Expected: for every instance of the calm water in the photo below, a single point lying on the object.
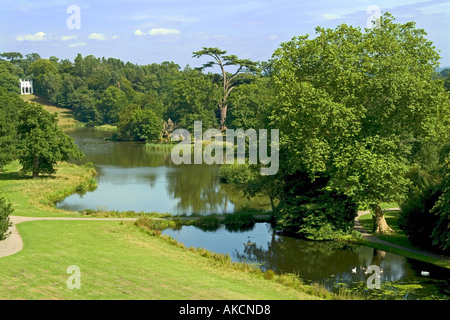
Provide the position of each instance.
(327, 263)
(133, 177)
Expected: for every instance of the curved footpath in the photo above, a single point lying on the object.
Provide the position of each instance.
(14, 243)
(367, 236)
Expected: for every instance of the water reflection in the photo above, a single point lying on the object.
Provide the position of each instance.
(327, 263)
(133, 177)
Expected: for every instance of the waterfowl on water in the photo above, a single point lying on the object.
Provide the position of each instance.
(354, 270)
(425, 273)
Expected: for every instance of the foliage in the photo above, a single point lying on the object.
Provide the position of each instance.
(416, 218)
(110, 104)
(5, 211)
(193, 98)
(250, 105)
(441, 232)
(310, 211)
(138, 124)
(41, 142)
(353, 106)
(9, 80)
(229, 80)
(235, 173)
(9, 105)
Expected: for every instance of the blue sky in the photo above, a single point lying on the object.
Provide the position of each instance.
(155, 31)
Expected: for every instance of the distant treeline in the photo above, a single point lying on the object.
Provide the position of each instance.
(110, 91)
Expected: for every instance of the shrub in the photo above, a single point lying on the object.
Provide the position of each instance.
(235, 173)
(416, 218)
(239, 220)
(5, 211)
(207, 223)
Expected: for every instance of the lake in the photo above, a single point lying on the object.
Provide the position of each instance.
(134, 177)
(328, 263)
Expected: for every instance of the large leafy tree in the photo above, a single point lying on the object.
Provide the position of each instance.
(42, 142)
(10, 104)
(111, 103)
(193, 97)
(229, 80)
(356, 106)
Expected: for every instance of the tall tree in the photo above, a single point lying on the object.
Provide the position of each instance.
(42, 142)
(357, 105)
(11, 56)
(229, 80)
(10, 104)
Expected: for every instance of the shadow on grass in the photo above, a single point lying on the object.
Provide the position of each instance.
(6, 176)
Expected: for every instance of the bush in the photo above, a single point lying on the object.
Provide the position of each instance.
(309, 211)
(5, 211)
(416, 218)
(235, 173)
(239, 220)
(207, 223)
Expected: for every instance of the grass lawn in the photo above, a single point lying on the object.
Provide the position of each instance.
(35, 197)
(119, 261)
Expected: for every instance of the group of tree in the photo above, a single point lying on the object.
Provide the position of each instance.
(109, 91)
(30, 134)
(363, 117)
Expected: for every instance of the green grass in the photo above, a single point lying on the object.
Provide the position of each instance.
(36, 197)
(106, 127)
(65, 116)
(119, 261)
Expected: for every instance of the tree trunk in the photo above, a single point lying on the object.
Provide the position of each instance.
(380, 225)
(272, 204)
(35, 167)
(223, 117)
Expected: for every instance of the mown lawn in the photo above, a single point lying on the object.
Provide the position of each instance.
(34, 197)
(119, 261)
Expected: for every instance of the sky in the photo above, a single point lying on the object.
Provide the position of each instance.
(154, 31)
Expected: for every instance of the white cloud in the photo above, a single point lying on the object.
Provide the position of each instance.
(67, 38)
(163, 31)
(330, 16)
(138, 32)
(78, 44)
(97, 36)
(38, 36)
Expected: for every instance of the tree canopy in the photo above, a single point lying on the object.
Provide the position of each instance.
(357, 105)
